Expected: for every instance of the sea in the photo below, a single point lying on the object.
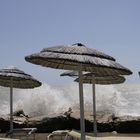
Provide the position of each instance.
(122, 99)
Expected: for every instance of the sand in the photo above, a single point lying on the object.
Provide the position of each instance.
(102, 136)
(116, 138)
(107, 136)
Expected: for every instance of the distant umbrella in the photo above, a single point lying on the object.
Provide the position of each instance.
(105, 80)
(99, 79)
(15, 78)
(80, 58)
(92, 78)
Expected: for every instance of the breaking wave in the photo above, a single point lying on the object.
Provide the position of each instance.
(119, 99)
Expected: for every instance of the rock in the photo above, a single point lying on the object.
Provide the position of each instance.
(4, 124)
(20, 113)
(47, 124)
(69, 112)
(127, 124)
(106, 122)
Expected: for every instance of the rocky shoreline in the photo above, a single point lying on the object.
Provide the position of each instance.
(106, 122)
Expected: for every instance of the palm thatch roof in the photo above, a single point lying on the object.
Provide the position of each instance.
(69, 57)
(78, 49)
(105, 80)
(19, 78)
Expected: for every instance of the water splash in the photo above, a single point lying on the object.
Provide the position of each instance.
(46, 100)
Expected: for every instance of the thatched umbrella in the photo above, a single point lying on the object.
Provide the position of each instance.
(99, 79)
(80, 58)
(15, 78)
(105, 80)
(92, 78)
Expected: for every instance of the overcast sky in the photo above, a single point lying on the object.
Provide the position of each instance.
(28, 26)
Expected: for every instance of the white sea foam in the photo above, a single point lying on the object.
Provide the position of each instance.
(119, 99)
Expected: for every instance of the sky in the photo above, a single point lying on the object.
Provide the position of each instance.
(28, 26)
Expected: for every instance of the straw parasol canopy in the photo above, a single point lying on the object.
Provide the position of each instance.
(68, 56)
(105, 80)
(19, 78)
(15, 78)
(99, 79)
(80, 58)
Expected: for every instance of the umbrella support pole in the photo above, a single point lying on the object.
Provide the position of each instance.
(11, 108)
(94, 107)
(82, 121)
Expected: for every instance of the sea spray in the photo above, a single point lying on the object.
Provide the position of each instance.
(119, 99)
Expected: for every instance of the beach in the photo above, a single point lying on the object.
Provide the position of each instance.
(108, 136)
(38, 136)
(101, 136)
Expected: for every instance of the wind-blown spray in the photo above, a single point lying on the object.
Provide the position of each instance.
(47, 100)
